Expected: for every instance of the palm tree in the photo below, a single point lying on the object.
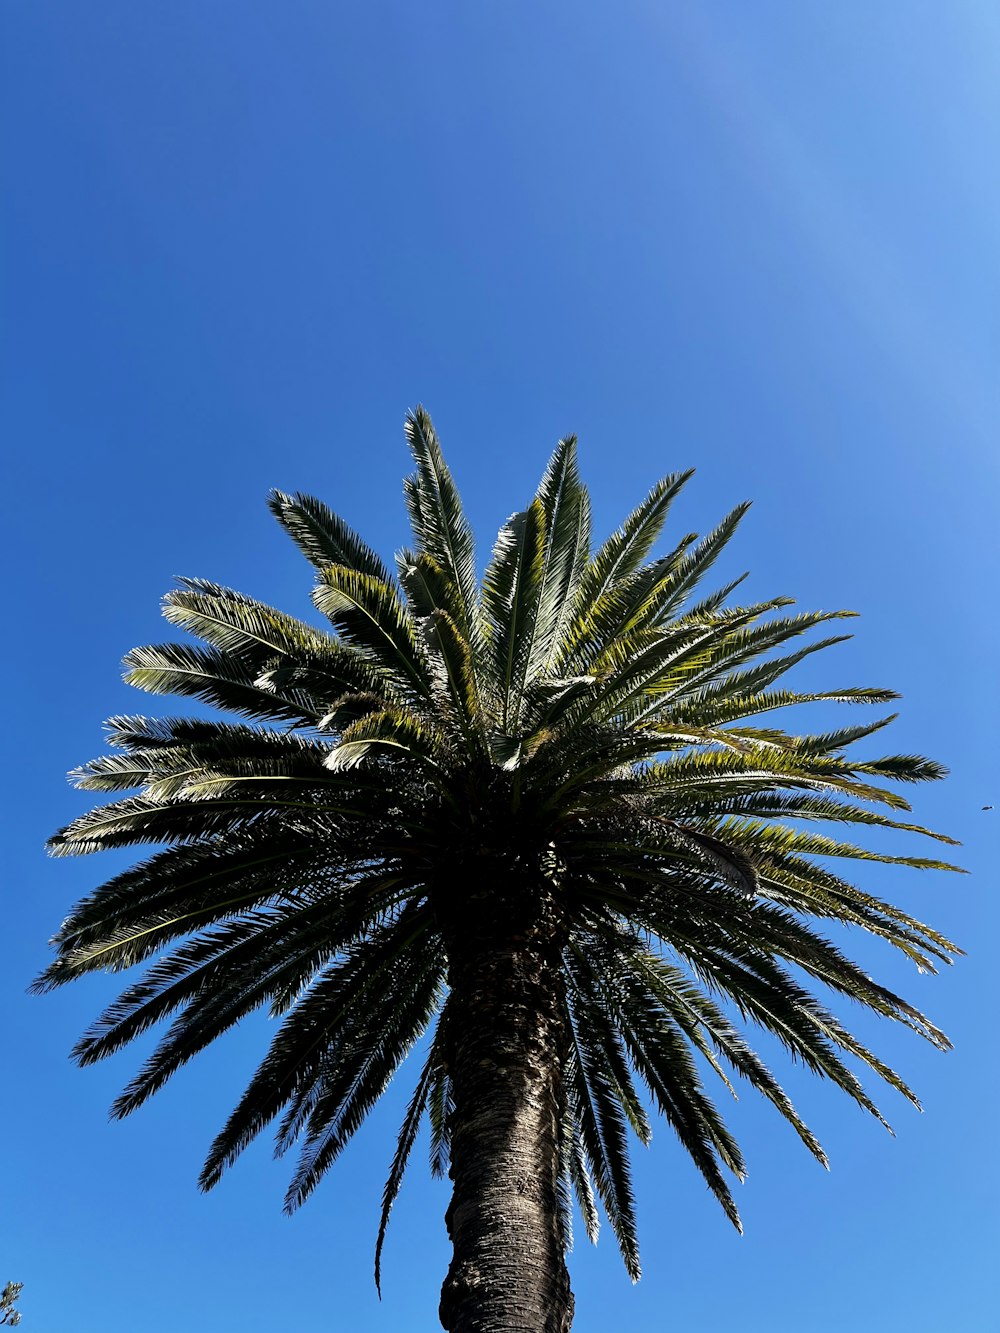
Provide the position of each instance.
(532, 826)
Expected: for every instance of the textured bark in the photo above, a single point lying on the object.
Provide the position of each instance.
(508, 1273)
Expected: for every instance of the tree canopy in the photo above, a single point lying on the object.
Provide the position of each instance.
(539, 825)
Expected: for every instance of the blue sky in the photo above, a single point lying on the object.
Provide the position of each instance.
(239, 240)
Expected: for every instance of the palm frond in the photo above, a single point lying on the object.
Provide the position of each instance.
(661, 1056)
(691, 568)
(368, 614)
(512, 587)
(345, 995)
(566, 506)
(236, 624)
(391, 728)
(322, 536)
(404, 1146)
(601, 1128)
(438, 520)
(217, 678)
(621, 555)
(358, 1069)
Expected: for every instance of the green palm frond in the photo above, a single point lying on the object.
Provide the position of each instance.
(219, 679)
(580, 1179)
(651, 983)
(801, 806)
(404, 1144)
(512, 587)
(722, 703)
(358, 1070)
(428, 587)
(756, 768)
(438, 520)
(600, 1038)
(201, 766)
(710, 692)
(619, 557)
(238, 625)
(601, 1126)
(440, 1109)
(368, 614)
(692, 567)
(388, 729)
(341, 1002)
(566, 506)
(323, 537)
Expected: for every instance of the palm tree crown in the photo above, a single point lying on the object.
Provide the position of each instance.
(537, 814)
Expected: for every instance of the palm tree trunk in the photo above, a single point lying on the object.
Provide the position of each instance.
(508, 1273)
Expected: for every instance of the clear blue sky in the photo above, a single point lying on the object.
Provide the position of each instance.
(239, 240)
